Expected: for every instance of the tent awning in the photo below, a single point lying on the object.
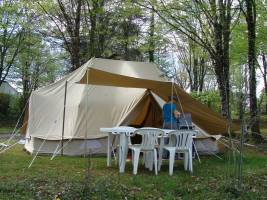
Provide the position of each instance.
(202, 115)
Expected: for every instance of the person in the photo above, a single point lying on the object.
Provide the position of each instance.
(170, 113)
(170, 119)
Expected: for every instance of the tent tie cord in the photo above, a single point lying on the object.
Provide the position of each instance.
(49, 132)
(15, 130)
(7, 142)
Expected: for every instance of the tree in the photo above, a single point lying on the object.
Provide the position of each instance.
(35, 66)
(250, 13)
(66, 16)
(194, 59)
(210, 28)
(11, 35)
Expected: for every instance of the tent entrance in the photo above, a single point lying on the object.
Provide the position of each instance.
(147, 113)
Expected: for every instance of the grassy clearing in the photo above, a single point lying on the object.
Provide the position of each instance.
(67, 177)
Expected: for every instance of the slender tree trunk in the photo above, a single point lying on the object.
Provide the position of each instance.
(195, 74)
(93, 29)
(202, 74)
(151, 37)
(126, 39)
(25, 84)
(251, 26)
(264, 62)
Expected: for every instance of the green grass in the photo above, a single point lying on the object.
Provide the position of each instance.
(68, 176)
(6, 129)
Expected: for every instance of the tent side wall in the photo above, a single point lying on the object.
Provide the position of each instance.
(73, 147)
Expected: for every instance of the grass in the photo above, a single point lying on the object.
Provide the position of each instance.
(6, 130)
(67, 177)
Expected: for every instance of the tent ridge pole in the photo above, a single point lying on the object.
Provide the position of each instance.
(63, 121)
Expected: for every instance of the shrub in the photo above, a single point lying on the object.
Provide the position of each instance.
(9, 109)
(210, 98)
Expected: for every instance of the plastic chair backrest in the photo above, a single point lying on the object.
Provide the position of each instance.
(181, 139)
(185, 121)
(149, 137)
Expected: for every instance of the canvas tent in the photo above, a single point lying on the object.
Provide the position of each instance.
(105, 93)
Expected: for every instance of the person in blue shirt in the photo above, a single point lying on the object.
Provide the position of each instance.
(170, 119)
(170, 113)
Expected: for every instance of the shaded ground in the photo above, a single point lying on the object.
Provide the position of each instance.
(5, 136)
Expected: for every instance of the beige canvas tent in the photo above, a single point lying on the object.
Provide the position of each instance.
(105, 93)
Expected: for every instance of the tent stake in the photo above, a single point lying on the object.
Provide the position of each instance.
(63, 122)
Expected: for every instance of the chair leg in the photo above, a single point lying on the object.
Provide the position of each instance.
(136, 159)
(160, 160)
(132, 157)
(190, 160)
(171, 162)
(150, 160)
(186, 161)
(155, 161)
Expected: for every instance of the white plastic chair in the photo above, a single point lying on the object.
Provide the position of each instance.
(149, 144)
(180, 142)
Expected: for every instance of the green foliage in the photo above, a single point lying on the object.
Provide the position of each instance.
(4, 104)
(262, 102)
(9, 109)
(210, 98)
(12, 26)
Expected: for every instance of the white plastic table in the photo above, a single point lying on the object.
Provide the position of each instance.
(124, 133)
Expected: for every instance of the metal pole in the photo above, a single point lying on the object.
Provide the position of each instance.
(63, 121)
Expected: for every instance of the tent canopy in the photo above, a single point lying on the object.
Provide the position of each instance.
(202, 115)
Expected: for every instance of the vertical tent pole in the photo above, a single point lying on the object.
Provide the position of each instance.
(63, 121)
(86, 123)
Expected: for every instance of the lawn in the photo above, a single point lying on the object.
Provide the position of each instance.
(6, 129)
(71, 178)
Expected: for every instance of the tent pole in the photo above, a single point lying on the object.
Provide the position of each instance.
(63, 121)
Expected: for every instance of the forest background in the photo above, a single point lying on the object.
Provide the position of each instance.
(214, 49)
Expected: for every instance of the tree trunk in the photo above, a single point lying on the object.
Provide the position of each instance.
(221, 57)
(26, 89)
(223, 86)
(195, 74)
(93, 29)
(202, 74)
(264, 62)
(72, 19)
(251, 26)
(151, 37)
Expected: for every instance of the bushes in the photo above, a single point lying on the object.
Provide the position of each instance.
(9, 109)
(210, 98)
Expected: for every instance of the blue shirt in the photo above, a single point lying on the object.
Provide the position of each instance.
(168, 112)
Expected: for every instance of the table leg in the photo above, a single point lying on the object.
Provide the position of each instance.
(160, 152)
(123, 153)
(109, 150)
